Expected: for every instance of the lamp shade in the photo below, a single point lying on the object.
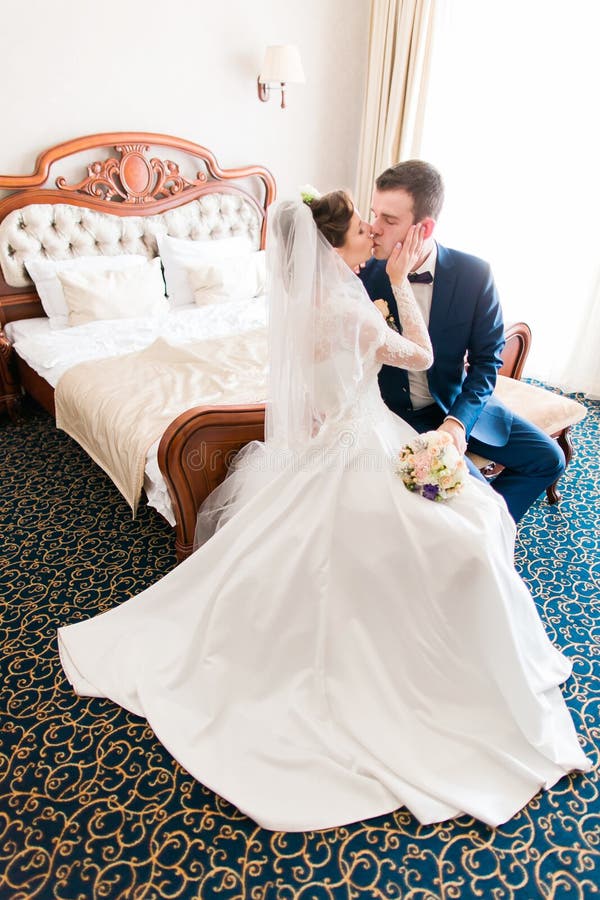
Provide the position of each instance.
(283, 64)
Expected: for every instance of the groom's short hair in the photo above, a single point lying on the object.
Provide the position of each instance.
(419, 179)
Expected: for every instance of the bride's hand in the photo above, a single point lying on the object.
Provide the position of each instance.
(404, 257)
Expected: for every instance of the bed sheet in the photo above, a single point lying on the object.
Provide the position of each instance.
(51, 351)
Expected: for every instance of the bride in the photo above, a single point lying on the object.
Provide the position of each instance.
(338, 646)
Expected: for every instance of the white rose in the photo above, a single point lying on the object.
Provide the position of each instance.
(450, 457)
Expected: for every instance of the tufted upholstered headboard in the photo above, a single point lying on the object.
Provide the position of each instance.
(125, 200)
(58, 231)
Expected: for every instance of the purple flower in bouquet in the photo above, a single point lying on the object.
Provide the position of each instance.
(430, 491)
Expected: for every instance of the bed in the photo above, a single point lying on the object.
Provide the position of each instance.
(136, 189)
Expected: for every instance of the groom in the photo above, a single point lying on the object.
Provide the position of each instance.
(459, 301)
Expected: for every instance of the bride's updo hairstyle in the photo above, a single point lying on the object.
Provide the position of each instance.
(332, 214)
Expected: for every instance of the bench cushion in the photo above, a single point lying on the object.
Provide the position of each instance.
(550, 412)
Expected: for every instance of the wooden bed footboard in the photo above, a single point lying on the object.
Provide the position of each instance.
(194, 455)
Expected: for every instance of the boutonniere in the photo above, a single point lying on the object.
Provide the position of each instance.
(385, 312)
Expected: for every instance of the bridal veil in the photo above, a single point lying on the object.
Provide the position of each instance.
(323, 331)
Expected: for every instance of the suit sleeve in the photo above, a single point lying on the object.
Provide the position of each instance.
(483, 355)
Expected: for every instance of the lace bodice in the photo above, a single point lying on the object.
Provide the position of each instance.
(339, 323)
(352, 342)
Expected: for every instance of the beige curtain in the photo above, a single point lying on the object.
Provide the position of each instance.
(400, 46)
(581, 370)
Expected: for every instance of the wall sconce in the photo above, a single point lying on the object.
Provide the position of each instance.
(282, 65)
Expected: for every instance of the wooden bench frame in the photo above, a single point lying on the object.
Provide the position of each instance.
(514, 356)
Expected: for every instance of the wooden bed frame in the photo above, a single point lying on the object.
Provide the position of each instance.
(196, 448)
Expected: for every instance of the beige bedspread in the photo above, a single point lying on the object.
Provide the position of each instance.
(116, 408)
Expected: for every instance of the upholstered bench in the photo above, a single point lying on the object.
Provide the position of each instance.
(552, 413)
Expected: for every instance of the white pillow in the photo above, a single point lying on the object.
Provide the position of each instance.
(131, 293)
(178, 253)
(238, 278)
(44, 274)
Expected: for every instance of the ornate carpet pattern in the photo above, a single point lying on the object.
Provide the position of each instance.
(92, 806)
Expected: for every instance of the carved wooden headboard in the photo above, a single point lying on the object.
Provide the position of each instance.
(130, 193)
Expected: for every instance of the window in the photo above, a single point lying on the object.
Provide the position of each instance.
(511, 123)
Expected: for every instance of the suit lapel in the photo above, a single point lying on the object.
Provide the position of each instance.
(443, 297)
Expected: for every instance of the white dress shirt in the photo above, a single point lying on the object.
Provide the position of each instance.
(419, 388)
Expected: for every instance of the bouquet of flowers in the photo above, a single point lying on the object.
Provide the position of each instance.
(432, 466)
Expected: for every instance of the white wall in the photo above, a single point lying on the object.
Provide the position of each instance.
(187, 68)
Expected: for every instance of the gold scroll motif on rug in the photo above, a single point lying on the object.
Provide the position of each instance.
(117, 408)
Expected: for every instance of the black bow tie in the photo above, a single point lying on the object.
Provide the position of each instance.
(420, 277)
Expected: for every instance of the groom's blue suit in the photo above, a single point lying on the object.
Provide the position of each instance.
(466, 319)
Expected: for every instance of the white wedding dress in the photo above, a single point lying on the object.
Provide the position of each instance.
(341, 647)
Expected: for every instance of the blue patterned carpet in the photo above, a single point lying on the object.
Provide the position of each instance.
(92, 806)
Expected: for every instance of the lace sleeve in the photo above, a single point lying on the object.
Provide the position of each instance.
(411, 349)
